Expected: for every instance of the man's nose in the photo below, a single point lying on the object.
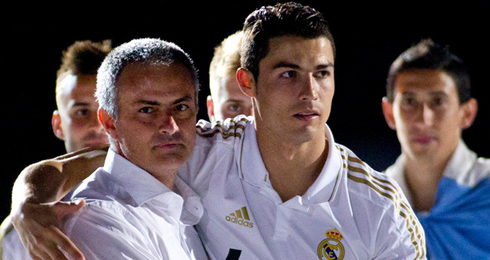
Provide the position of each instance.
(309, 88)
(168, 124)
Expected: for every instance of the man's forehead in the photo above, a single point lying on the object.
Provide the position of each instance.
(78, 88)
(427, 81)
(295, 49)
(158, 86)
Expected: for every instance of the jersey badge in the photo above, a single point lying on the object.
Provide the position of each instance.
(331, 248)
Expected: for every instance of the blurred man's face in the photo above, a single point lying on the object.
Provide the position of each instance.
(229, 101)
(426, 113)
(75, 122)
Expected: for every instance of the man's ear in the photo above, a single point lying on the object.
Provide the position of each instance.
(470, 109)
(56, 124)
(246, 81)
(210, 106)
(108, 122)
(387, 107)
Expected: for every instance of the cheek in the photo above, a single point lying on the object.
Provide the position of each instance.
(402, 119)
(188, 129)
(451, 122)
(133, 134)
(74, 128)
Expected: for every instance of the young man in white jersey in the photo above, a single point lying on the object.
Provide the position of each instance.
(429, 104)
(279, 186)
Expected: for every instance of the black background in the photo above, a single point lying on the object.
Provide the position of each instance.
(369, 35)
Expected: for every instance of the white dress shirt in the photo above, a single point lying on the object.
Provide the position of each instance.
(129, 214)
(11, 247)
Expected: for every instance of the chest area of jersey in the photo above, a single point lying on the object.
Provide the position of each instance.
(244, 222)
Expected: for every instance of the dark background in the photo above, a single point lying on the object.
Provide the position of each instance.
(368, 35)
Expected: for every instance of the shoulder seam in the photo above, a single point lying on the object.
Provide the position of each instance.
(388, 190)
(234, 129)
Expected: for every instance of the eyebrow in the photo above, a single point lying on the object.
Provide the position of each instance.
(285, 64)
(80, 104)
(156, 103)
(438, 93)
(234, 100)
(432, 93)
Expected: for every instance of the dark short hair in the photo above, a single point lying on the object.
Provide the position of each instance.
(84, 57)
(287, 19)
(429, 55)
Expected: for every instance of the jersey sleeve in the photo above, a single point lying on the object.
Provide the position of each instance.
(400, 238)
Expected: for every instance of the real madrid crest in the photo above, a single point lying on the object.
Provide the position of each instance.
(331, 248)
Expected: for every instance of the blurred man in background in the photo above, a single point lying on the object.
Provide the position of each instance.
(226, 99)
(429, 104)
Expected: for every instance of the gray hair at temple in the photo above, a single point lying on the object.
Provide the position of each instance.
(148, 51)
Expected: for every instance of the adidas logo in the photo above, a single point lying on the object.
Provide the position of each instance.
(240, 217)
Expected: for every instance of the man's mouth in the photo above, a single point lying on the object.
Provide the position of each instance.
(423, 139)
(307, 115)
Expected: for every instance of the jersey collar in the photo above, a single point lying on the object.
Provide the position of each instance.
(252, 168)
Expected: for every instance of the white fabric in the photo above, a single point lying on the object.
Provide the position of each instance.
(367, 208)
(464, 167)
(131, 215)
(12, 247)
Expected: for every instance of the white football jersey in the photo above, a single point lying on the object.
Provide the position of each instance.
(350, 211)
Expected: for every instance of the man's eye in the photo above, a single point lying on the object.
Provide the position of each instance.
(181, 107)
(288, 74)
(322, 74)
(146, 110)
(234, 108)
(82, 112)
(408, 101)
(438, 101)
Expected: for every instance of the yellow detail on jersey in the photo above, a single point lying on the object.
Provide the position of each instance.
(388, 190)
(240, 217)
(331, 248)
(232, 130)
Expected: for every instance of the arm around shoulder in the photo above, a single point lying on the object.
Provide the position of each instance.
(34, 216)
(50, 180)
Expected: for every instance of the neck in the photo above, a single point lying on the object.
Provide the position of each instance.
(167, 178)
(166, 175)
(292, 167)
(422, 177)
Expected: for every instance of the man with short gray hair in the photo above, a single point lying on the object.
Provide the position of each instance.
(136, 206)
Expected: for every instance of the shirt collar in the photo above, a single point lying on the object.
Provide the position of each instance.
(458, 168)
(140, 184)
(252, 168)
(143, 188)
(323, 187)
(460, 165)
(193, 208)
